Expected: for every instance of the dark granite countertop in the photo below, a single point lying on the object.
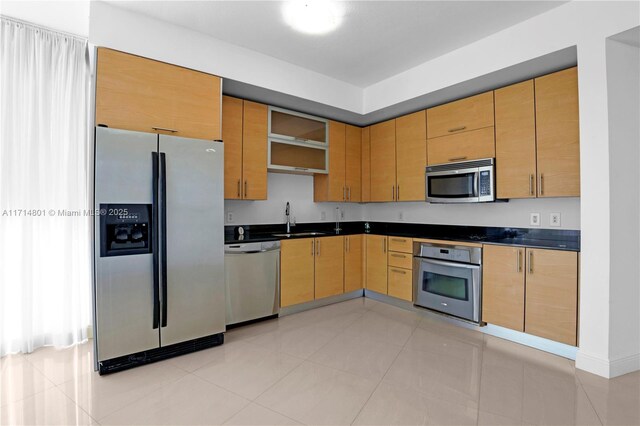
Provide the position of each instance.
(557, 239)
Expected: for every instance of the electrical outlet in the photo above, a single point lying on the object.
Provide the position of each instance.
(341, 214)
(554, 219)
(323, 215)
(229, 217)
(400, 215)
(534, 219)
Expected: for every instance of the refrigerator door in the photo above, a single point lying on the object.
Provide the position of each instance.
(193, 293)
(124, 284)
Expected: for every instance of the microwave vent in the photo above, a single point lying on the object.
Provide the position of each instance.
(461, 165)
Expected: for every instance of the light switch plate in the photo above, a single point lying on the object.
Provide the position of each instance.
(534, 219)
(554, 219)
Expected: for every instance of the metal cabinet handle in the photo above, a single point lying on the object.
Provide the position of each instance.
(518, 261)
(238, 188)
(400, 240)
(398, 194)
(318, 248)
(384, 245)
(164, 129)
(393, 192)
(457, 129)
(531, 262)
(541, 184)
(349, 193)
(402, 256)
(313, 249)
(245, 188)
(399, 271)
(457, 158)
(531, 184)
(344, 193)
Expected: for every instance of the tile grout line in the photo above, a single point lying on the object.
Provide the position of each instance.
(588, 397)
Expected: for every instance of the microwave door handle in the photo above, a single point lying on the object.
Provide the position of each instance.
(451, 264)
(476, 178)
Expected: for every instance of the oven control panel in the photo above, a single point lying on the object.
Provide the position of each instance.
(451, 253)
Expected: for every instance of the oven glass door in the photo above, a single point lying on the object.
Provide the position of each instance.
(453, 186)
(449, 287)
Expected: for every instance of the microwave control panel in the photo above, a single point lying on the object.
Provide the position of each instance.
(484, 183)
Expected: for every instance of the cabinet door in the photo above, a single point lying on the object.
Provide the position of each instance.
(134, 93)
(254, 151)
(400, 283)
(411, 152)
(353, 253)
(503, 287)
(552, 295)
(297, 271)
(472, 145)
(366, 165)
(558, 138)
(376, 263)
(232, 137)
(196, 104)
(353, 166)
(464, 115)
(329, 274)
(516, 141)
(383, 161)
(331, 186)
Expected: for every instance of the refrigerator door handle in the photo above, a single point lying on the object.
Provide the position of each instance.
(163, 232)
(154, 243)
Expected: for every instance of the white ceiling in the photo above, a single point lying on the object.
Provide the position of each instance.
(377, 39)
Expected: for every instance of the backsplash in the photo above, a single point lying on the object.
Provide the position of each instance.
(298, 190)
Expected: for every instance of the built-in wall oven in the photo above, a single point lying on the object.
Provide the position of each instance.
(461, 182)
(448, 279)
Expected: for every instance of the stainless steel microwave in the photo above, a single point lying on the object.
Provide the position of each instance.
(462, 182)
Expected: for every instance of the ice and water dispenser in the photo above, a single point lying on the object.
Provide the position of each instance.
(126, 229)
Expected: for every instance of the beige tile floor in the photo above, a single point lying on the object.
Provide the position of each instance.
(357, 362)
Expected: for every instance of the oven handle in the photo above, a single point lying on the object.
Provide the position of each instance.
(445, 263)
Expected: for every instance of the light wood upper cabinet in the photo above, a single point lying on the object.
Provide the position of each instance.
(383, 161)
(297, 271)
(558, 138)
(254, 151)
(552, 295)
(353, 163)
(463, 115)
(472, 145)
(366, 165)
(376, 263)
(353, 262)
(411, 156)
(503, 286)
(342, 183)
(135, 93)
(232, 110)
(516, 141)
(329, 267)
(244, 130)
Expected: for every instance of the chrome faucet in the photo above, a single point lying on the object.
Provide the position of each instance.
(337, 228)
(286, 212)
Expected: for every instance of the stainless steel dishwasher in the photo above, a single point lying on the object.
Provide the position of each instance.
(252, 279)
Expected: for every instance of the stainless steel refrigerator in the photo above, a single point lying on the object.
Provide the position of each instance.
(159, 247)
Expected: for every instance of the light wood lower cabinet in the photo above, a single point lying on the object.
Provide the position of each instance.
(353, 262)
(552, 295)
(503, 286)
(376, 269)
(329, 266)
(400, 283)
(297, 275)
(531, 290)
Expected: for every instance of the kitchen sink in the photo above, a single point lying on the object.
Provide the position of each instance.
(299, 234)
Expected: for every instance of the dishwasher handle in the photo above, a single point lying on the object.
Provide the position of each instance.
(248, 248)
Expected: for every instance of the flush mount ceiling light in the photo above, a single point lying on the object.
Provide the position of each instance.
(313, 16)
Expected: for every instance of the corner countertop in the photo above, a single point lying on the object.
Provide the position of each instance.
(556, 239)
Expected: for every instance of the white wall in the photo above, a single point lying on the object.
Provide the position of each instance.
(298, 190)
(623, 89)
(120, 29)
(514, 213)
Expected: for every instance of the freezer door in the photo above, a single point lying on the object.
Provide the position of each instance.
(193, 295)
(124, 298)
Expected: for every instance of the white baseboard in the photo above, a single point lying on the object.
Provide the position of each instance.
(605, 367)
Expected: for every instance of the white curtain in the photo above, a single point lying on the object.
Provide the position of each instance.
(45, 261)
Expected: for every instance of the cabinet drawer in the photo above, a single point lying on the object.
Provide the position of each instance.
(462, 147)
(461, 116)
(401, 244)
(400, 283)
(401, 260)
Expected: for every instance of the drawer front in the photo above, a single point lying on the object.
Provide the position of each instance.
(401, 244)
(466, 146)
(461, 116)
(400, 283)
(400, 260)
